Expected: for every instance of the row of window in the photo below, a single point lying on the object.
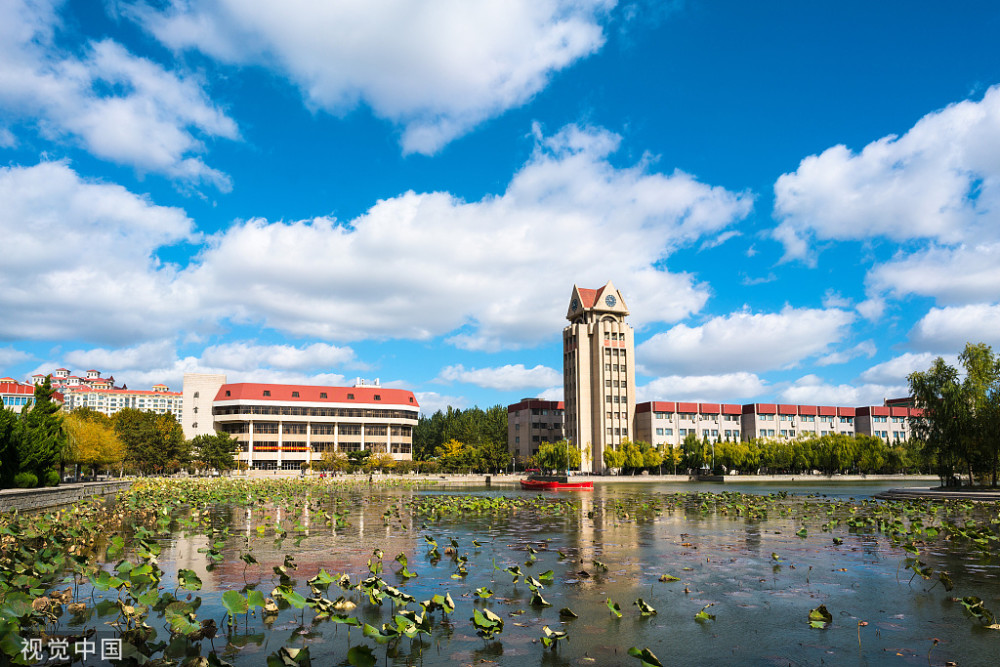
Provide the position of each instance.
(297, 411)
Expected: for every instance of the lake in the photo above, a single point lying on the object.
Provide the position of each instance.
(752, 560)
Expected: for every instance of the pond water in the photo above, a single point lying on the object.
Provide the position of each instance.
(758, 564)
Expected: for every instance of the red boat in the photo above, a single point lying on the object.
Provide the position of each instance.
(552, 483)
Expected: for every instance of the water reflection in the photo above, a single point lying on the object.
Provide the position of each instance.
(721, 557)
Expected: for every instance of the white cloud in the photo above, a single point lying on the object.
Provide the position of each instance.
(723, 388)
(940, 181)
(950, 328)
(865, 348)
(967, 273)
(10, 356)
(745, 341)
(503, 378)
(552, 394)
(896, 370)
(497, 271)
(813, 390)
(437, 68)
(157, 361)
(154, 354)
(834, 299)
(79, 259)
(431, 401)
(248, 356)
(117, 106)
(501, 269)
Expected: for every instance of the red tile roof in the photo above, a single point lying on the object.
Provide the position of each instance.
(588, 296)
(249, 391)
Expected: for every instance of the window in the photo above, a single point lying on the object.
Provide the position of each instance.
(267, 392)
(350, 397)
(609, 430)
(517, 439)
(607, 367)
(378, 397)
(668, 431)
(607, 383)
(659, 431)
(608, 398)
(322, 394)
(609, 415)
(411, 399)
(295, 394)
(196, 394)
(227, 392)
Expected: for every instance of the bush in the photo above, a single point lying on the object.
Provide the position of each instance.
(52, 478)
(25, 480)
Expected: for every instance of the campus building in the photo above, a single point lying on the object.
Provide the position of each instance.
(670, 422)
(598, 373)
(889, 422)
(101, 395)
(532, 422)
(17, 396)
(281, 426)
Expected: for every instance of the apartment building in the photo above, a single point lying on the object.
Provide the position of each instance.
(669, 423)
(281, 426)
(531, 422)
(100, 394)
(17, 396)
(892, 424)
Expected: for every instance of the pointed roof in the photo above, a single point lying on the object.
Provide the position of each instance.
(587, 299)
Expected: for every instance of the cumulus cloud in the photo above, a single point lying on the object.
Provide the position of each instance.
(115, 105)
(436, 68)
(863, 349)
(744, 341)
(722, 388)
(951, 327)
(158, 361)
(500, 269)
(503, 378)
(495, 273)
(248, 356)
(10, 356)
(940, 181)
(552, 394)
(431, 401)
(967, 273)
(813, 390)
(79, 259)
(895, 371)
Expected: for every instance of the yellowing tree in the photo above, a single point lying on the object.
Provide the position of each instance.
(91, 441)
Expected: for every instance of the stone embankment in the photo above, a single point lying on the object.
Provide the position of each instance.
(29, 500)
(936, 493)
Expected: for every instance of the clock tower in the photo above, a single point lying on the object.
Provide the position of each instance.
(598, 373)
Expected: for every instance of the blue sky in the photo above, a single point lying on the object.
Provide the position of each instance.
(799, 201)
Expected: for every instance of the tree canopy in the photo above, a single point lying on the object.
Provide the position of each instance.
(960, 423)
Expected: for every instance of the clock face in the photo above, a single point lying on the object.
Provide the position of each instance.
(610, 300)
(574, 304)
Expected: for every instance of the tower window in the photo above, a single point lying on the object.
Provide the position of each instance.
(295, 394)
(267, 392)
(322, 394)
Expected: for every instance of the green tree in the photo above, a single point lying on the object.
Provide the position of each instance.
(558, 456)
(494, 456)
(153, 443)
(613, 458)
(42, 438)
(10, 446)
(215, 451)
(960, 420)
